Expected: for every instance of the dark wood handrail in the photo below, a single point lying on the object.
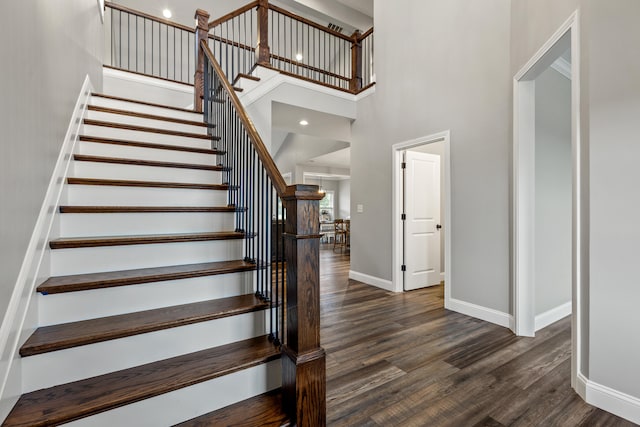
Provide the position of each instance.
(231, 42)
(147, 16)
(233, 14)
(307, 79)
(308, 22)
(269, 165)
(365, 34)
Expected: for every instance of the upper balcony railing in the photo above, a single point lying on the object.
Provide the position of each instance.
(145, 44)
(258, 33)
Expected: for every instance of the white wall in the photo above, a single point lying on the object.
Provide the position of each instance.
(48, 48)
(344, 201)
(552, 191)
(456, 77)
(613, 126)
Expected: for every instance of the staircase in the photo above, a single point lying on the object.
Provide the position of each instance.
(150, 316)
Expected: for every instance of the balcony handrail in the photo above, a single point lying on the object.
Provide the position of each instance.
(365, 34)
(135, 12)
(272, 170)
(231, 15)
(309, 22)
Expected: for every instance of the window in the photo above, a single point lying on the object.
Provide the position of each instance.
(327, 206)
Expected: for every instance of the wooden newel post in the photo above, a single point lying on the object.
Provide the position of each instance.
(202, 33)
(356, 62)
(263, 53)
(303, 360)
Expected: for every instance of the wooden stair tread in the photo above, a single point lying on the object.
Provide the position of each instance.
(83, 282)
(72, 401)
(139, 162)
(146, 209)
(144, 239)
(151, 104)
(130, 143)
(248, 76)
(92, 122)
(155, 184)
(264, 410)
(74, 334)
(146, 116)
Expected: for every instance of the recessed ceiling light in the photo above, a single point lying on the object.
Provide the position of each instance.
(298, 57)
(167, 13)
(303, 122)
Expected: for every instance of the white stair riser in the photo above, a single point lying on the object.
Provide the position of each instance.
(85, 169)
(120, 224)
(247, 84)
(142, 136)
(141, 153)
(98, 195)
(146, 109)
(83, 305)
(183, 404)
(113, 258)
(90, 360)
(141, 121)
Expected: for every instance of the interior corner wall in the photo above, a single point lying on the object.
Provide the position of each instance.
(47, 49)
(440, 65)
(553, 191)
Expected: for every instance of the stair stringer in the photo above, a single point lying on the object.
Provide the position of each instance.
(21, 315)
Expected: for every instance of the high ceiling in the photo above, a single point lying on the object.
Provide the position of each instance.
(362, 6)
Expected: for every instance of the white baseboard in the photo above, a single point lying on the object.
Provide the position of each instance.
(610, 400)
(483, 313)
(34, 266)
(387, 285)
(551, 316)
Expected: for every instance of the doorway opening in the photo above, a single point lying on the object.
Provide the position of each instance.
(432, 238)
(546, 185)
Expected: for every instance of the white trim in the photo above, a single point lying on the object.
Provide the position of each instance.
(551, 316)
(371, 280)
(535, 64)
(483, 313)
(101, 8)
(147, 80)
(34, 266)
(523, 188)
(610, 400)
(562, 66)
(396, 201)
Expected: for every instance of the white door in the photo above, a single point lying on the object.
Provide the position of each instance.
(422, 220)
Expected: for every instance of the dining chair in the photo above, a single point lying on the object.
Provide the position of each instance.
(340, 234)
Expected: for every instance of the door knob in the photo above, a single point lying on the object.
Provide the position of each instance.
(438, 226)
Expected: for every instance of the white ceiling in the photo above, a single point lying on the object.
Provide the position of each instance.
(287, 117)
(337, 159)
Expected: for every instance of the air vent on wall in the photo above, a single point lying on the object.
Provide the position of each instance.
(335, 27)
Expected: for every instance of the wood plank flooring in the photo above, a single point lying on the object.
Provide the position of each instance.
(403, 360)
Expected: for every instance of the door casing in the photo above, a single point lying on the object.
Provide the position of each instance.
(397, 234)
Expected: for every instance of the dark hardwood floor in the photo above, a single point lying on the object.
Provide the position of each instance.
(403, 360)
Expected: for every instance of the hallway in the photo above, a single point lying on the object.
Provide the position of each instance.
(403, 360)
